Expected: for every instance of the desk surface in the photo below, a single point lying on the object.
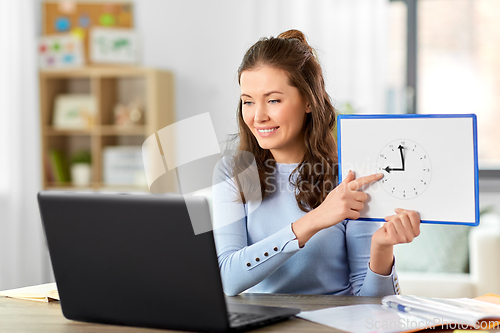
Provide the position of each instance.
(28, 316)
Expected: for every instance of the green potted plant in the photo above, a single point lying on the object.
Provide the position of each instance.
(81, 171)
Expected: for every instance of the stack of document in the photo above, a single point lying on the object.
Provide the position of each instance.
(41, 293)
(411, 314)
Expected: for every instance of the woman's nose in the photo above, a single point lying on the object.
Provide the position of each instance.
(261, 114)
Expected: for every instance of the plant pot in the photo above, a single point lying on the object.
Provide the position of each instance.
(81, 174)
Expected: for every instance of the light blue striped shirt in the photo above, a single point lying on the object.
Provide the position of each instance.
(259, 252)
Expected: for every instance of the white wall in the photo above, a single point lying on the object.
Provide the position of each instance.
(200, 42)
(203, 43)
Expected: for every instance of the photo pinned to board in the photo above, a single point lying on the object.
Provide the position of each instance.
(60, 51)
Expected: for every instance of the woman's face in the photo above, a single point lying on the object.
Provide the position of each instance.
(274, 111)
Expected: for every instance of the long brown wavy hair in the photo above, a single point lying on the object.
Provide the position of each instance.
(291, 53)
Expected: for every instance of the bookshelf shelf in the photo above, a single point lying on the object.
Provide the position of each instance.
(122, 130)
(56, 132)
(150, 90)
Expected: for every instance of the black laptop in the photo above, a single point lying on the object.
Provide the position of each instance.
(133, 259)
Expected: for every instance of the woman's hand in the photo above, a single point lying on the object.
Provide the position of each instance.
(400, 228)
(344, 202)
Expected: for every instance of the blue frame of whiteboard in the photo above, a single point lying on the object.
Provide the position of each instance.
(387, 116)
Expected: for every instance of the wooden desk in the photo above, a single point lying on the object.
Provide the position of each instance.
(27, 316)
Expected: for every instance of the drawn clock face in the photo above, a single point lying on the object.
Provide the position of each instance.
(406, 168)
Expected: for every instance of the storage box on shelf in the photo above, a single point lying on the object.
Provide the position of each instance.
(150, 92)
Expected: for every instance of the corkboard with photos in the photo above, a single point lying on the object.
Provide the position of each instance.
(78, 18)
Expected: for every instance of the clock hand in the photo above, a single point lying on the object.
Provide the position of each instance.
(402, 157)
(388, 170)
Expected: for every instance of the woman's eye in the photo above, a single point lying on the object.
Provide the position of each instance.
(274, 101)
(247, 103)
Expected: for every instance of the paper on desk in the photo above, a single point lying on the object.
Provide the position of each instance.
(41, 292)
(366, 318)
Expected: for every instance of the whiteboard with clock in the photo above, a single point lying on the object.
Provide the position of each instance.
(429, 163)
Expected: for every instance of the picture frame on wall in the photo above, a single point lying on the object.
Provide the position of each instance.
(74, 111)
(114, 46)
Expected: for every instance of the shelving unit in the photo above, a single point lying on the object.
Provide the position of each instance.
(109, 86)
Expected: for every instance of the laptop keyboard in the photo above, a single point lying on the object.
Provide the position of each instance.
(237, 319)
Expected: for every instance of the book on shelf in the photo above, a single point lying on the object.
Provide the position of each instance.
(49, 176)
(59, 166)
(39, 293)
(403, 313)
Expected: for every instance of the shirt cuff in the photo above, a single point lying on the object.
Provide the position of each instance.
(283, 241)
(292, 245)
(382, 285)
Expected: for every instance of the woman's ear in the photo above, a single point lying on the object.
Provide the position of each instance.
(308, 108)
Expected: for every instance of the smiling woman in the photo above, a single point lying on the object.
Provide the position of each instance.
(294, 236)
(288, 64)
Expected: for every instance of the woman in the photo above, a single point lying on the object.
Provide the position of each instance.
(292, 235)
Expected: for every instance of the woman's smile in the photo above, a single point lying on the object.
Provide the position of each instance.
(266, 131)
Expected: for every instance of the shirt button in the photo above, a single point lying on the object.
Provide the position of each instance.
(257, 259)
(275, 248)
(266, 254)
(249, 264)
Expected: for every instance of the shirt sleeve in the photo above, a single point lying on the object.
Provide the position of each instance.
(242, 265)
(363, 280)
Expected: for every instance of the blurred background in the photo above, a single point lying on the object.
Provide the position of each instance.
(83, 84)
